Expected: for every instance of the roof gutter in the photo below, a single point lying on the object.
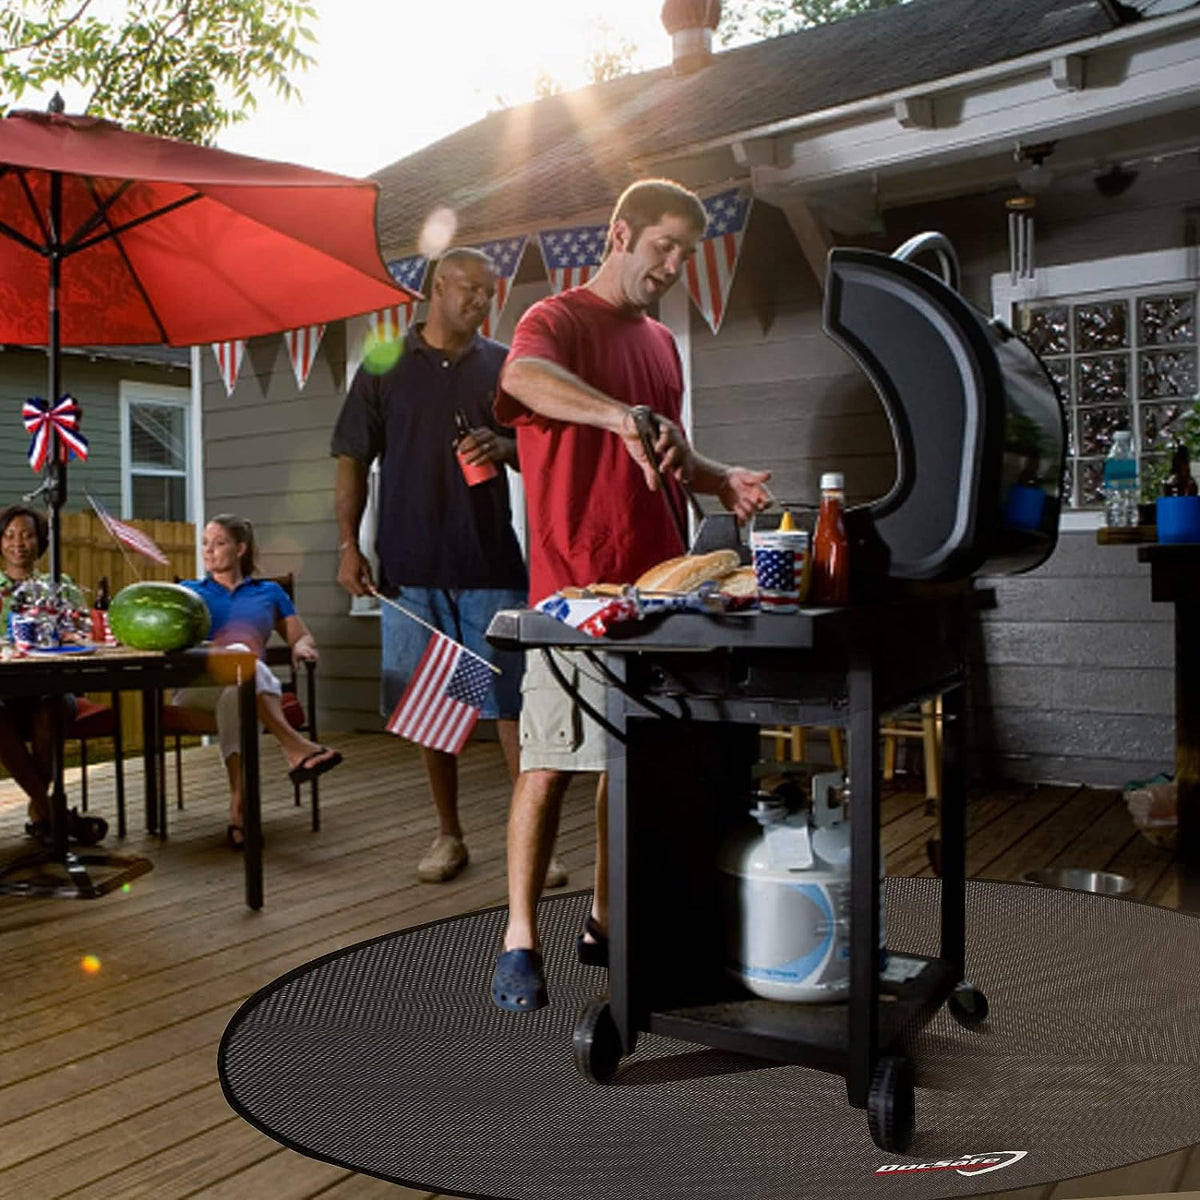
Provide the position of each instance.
(1127, 33)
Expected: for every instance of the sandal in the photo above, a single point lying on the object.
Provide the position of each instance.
(518, 984)
(591, 946)
(87, 831)
(313, 765)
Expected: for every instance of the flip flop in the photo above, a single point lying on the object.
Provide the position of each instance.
(593, 953)
(307, 769)
(518, 984)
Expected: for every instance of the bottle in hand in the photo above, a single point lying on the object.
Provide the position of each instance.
(473, 473)
(831, 549)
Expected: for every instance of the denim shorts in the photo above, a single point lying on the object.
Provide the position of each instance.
(462, 614)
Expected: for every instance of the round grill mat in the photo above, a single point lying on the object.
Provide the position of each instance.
(390, 1058)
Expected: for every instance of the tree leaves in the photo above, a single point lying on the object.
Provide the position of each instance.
(179, 68)
(752, 20)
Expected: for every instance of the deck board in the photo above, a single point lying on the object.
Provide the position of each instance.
(108, 1083)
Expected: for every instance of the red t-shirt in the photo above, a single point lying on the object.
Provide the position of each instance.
(591, 517)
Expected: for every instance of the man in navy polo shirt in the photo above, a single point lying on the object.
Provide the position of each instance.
(446, 548)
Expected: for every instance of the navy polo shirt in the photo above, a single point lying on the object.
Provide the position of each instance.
(247, 614)
(434, 530)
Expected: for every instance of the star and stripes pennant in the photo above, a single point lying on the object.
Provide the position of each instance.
(229, 362)
(302, 350)
(572, 256)
(127, 535)
(709, 272)
(409, 272)
(505, 254)
(444, 697)
(44, 420)
(390, 324)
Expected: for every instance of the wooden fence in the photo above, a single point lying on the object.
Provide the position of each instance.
(89, 552)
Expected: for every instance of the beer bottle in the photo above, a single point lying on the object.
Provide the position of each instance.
(473, 473)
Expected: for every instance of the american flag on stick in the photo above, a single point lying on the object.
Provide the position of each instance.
(127, 535)
(444, 697)
(709, 273)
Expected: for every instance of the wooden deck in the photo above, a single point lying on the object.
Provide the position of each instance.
(108, 1082)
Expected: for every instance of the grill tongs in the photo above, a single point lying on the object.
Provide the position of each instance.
(713, 532)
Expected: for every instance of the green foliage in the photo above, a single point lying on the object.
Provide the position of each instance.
(179, 68)
(1184, 428)
(752, 20)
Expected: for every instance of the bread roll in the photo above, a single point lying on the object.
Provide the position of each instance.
(688, 571)
(741, 582)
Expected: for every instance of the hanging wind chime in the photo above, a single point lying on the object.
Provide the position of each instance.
(1033, 178)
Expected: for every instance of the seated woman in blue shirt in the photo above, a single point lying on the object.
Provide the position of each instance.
(244, 612)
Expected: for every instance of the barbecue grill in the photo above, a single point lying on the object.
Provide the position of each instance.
(979, 443)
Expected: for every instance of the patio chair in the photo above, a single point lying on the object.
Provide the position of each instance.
(92, 721)
(179, 722)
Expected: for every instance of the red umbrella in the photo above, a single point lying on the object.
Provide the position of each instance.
(109, 237)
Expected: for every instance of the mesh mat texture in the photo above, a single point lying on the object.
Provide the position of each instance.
(390, 1058)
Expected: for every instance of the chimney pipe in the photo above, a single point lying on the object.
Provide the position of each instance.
(690, 24)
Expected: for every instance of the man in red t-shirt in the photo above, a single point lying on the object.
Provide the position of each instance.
(579, 361)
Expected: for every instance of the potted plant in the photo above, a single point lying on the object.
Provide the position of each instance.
(1182, 429)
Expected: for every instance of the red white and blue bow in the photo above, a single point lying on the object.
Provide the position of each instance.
(42, 420)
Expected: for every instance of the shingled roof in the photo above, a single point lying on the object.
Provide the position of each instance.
(568, 155)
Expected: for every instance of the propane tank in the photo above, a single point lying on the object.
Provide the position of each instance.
(785, 886)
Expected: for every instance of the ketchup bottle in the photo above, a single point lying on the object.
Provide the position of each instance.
(473, 473)
(831, 550)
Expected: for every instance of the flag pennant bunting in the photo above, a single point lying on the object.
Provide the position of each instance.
(229, 362)
(390, 324)
(709, 272)
(302, 350)
(505, 254)
(127, 535)
(409, 272)
(444, 698)
(44, 420)
(572, 256)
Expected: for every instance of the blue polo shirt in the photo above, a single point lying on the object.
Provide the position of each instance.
(434, 530)
(247, 614)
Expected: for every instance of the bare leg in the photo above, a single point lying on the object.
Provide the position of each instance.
(233, 768)
(442, 771)
(21, 765)
(532, 828)
(295, 748)
(509, 733)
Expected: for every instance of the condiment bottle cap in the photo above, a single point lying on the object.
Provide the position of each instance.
(786, 524)
(833, 480)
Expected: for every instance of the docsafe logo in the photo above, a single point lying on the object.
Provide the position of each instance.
(966, 1164)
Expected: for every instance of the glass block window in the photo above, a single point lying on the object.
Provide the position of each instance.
(1121, 361)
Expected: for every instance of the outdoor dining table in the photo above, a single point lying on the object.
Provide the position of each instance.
(120, 669)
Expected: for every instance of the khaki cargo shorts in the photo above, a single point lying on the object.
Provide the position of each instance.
(556, 734)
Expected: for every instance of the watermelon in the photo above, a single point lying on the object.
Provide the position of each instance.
(158, 616)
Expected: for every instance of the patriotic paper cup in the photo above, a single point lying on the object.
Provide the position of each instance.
(781, 567)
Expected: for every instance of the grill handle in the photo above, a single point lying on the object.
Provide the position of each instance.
(932, 243)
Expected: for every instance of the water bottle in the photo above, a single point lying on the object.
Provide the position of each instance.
(1121, 482)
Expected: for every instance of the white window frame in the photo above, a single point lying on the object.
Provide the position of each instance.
(1126, 272)
(165, 396)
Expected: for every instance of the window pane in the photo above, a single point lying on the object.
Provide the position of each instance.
(1161, 425)
(1096, 427)
(1103, 379)
(1167, 373)
(1163, 320)
(159, 497)
(1102, 326)
(157, 434)
(1048, 330)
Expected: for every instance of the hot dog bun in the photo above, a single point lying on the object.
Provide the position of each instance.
(688, 571)
(741, 582)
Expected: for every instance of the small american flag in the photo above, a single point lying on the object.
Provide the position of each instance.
(572, 256)
(709, 273)
(444, 697)
(505, 254)
(135, 539)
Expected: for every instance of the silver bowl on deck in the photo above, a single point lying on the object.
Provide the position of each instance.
(1080, 879)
